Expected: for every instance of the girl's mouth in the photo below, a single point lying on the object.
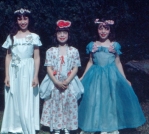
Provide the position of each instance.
(23, 25)
(103, 35)
(62, 39)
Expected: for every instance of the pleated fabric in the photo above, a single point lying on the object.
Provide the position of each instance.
(109, 102)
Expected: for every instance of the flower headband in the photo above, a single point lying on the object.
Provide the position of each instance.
(106, 22)
(22, 11)
(63, 24)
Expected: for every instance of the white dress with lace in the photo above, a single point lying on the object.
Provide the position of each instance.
(21, 113)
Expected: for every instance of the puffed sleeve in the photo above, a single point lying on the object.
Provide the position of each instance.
(117, 48)
(76, 59)
(7, 43)
(36, 40)
(49, 59)
(89, 47)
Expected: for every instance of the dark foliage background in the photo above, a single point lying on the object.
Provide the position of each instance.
(131, 25)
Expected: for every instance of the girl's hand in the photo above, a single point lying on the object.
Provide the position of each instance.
(7, 82)
(129, 82)
(81, 78)
(35, 82)
(111, 49)
(66, 83)
(60, 85)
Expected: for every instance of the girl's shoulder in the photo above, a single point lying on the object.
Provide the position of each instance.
(89, 47)
(71, 48)
(52, 49)
(116, 45)
(34, 35)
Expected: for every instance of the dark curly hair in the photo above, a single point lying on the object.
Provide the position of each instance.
(111, 36)
(15, 26)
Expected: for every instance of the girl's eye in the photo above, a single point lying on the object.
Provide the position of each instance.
(100, 28)
(107, 28)
(58, 33)
(25, 18)
(65, 32)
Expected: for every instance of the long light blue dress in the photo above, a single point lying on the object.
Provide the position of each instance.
(109, 102)
(21, 113)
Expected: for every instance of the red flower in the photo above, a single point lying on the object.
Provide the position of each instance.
(59, 125)
(70, 95)
(74, 117)
(75, 123)
(63, 23)
(54, 73)
(73, 100)
(75, 106)
(68, 74)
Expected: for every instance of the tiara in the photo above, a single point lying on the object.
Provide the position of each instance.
(22, 11)
(106, 22)
(63, 23)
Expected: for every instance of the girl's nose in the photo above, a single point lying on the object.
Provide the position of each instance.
(103, 30)
(22, 21)
(62, 33)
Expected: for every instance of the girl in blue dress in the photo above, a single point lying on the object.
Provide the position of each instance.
(109, 102)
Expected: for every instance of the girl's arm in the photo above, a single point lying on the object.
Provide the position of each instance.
(89, 64)
(71, 76)
(7, 62)
(57, 83)
(119, 66)
(36, 65)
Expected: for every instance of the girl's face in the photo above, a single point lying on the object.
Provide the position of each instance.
(62, 36)
(23, 22)
(103, 31)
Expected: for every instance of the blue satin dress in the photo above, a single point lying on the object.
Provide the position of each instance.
(109, 102)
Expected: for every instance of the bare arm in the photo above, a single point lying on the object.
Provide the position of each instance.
(7, 62)
(50, 73)
(120, 67)
(89, 64)
(56, 82)
(36, 65)
(71, 76)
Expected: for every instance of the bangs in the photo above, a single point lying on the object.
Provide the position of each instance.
(104, 26)
(62, 29)
(20, 15)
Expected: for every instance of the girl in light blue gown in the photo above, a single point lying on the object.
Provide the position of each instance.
(21, 113)
(109, 102)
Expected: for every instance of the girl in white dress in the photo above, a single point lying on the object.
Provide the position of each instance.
(60, 109)
(21, 113)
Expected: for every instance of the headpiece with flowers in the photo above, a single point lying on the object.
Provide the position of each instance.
(106, 22)
(22, 11)
(63, 24)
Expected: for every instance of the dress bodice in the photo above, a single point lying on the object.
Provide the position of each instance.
(22, 47)
(101, 55)
(62, 64)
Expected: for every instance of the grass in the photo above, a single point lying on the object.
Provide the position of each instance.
(141, 130)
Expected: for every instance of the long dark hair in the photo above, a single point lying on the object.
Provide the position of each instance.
(69, 42)
(15, 27)
(111, 36)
